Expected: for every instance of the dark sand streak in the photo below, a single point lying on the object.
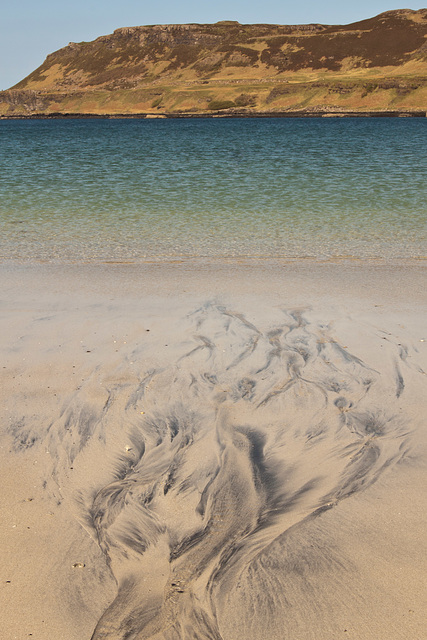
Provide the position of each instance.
(246, 492)
(235, 449)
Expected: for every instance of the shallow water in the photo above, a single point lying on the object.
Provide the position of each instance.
(143, 189)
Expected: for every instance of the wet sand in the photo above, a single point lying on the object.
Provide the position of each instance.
(213, 451)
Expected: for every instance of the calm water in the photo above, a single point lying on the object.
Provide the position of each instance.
(135, 189)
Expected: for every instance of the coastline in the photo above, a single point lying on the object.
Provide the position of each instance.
(328, 513)
(302, 113)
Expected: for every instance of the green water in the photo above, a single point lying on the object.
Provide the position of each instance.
(134, 190)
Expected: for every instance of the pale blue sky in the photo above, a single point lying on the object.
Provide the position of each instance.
(30, 29)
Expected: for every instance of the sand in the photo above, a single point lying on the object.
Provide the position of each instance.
(213, 451)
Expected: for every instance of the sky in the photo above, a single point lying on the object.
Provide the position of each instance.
(31, 29)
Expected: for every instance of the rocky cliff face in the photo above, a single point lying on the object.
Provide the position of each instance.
(186, 59)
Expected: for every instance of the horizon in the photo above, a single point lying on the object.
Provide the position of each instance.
(27, 37)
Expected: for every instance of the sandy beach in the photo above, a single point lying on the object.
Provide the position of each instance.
(213, 450)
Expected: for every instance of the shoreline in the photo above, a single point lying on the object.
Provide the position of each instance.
(318, 113)
(277, 263)
(305, 280)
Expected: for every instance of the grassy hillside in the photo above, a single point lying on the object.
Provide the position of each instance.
(375, 64)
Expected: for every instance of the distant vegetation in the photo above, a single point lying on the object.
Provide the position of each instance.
(216, 105)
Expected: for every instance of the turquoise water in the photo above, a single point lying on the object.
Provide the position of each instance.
(165, 189)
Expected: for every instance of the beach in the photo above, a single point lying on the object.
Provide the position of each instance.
(213, 449)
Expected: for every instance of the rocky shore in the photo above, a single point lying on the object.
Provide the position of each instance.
(303, 113)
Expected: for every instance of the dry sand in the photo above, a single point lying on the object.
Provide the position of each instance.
(213, 451)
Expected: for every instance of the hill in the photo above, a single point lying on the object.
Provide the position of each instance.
(377, 64)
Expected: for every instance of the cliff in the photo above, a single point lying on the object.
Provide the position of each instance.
(375, 64)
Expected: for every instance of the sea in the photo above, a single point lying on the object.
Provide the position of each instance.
(135, 190)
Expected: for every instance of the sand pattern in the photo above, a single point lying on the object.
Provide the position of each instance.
(210, 463)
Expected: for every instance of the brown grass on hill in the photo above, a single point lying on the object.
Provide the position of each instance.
(276, 66)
